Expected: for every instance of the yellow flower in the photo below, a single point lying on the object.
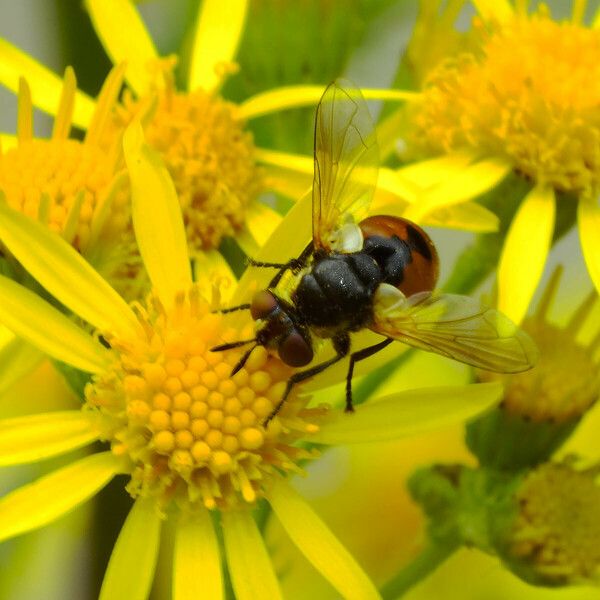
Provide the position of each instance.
(77, 188)
(565, 383)
(553, 538)
(200, 136)
(546, 404)
(189, 436)
(525, 100)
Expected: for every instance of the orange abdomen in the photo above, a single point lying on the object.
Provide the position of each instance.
(421, 271)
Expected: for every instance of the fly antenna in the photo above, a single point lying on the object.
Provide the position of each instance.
(244, 357)
(242, 360)
(231, 345)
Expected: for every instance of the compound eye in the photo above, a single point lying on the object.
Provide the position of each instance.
(295, 351)
(263, 304)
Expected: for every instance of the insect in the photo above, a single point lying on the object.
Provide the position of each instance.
(360, 272)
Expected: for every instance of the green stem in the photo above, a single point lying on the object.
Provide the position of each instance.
(432, 556)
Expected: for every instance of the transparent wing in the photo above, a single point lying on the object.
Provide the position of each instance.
(455, 326)
(346, 161)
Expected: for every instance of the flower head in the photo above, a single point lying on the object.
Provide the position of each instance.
(190, 432)
(541, 408)
(555, 528)
(189, 436)
(519, 101)
(207, 149)
(565, 383)
(77, 188)
(523, 95)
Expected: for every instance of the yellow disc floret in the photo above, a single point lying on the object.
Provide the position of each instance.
(189, 431)
(557, 528)
(63, 182)
(530, 94)
(209, 155)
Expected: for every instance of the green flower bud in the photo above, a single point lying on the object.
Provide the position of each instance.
(541, 407)
(552, 536)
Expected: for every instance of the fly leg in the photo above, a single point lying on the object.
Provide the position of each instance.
(356, 357)
(224, 311)
(294, 265)
(341, 345)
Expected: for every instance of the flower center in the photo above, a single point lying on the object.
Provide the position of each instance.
(561, 387)
(530, 94)
(63, 182)
(558, 527)
(191, 433)
(209, 156)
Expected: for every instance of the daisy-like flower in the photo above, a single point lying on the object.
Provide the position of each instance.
(524, 100)
(544, 405)
(189, 436)
(77, 188)
(201, 137)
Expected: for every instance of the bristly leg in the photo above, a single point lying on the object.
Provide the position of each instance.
(224, 311)
(341, 345)
(268, 265)
(356, 357)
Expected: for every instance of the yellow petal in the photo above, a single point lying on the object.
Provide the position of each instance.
(42, 325)
(46, 86)
(157, 218)
(494, 10)
(251, 570)
(34, 437)
(408, 413)
(7, 141)
(588, 216)
(525, 250)
(125, 39)
(596, 19)
(578, 11)
(432, 171)
(245, 240)
(469, 216)
(131, 566)
(197, 561)
(219, 28)
(64, 113)
(24, 112)
(50, 497)
(396, 185)
(467, 183)
(211, 268)
(293, 162)
(318, 544)
(105, 105)
(102, 213)
(293, 96)
(17, 358)
(64, 273)
(388, 130)
(261, 221)
(291, 184)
